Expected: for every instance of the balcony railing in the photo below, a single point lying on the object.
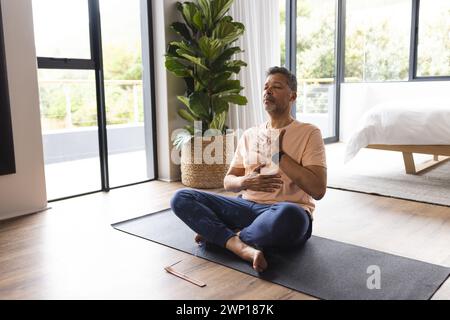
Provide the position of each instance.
(70, 140)
(67, 139)
(315, 96)
(128, 101)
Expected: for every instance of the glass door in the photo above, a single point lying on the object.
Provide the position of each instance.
(67, 93)
(316, 64)
(95, 94)
(128, 114)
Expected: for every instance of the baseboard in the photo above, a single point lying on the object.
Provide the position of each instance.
(22, 213)
(169, 180)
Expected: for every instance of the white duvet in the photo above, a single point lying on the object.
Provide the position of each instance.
(394, 123)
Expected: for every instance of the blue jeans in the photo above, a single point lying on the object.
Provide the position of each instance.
(262, 225)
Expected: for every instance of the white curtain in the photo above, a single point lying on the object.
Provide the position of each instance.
(261, 43)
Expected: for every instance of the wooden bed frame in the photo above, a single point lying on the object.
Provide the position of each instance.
(441, 154)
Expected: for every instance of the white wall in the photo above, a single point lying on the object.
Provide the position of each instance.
(23, 192)
(357, 98)
(167, 87)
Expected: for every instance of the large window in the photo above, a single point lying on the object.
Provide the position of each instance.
(124, 95)
(94, 62)
(377, 40)
(382, 40)
(434, 39)
(335, 41)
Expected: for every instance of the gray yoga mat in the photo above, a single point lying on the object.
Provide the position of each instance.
(322, 268)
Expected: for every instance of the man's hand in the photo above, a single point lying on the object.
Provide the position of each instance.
(263, 183)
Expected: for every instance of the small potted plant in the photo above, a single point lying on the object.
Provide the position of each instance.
(203, 57)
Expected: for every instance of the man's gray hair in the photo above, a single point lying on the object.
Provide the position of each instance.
(291, 78)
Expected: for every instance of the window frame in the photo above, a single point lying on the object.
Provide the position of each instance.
(7, 157)
(413, 54)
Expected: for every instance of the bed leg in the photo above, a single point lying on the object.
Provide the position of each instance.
(410, 167)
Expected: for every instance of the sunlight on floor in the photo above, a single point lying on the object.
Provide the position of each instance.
(82, 176)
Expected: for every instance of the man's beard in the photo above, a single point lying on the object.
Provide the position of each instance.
(271, 107)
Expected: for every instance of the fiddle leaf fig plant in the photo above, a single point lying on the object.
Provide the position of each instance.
(203, 57)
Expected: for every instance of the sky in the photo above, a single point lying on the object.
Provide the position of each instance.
(62, 27)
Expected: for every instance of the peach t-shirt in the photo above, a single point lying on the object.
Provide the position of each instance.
(302, 142)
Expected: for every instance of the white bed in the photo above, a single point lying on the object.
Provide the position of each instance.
(405, 126)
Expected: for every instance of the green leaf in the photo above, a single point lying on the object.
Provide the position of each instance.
(182, 30)
(195, 60)
(186, 115)
(190, 129)
(225, 56)
(222, 77)
(205, 6)
(227, 85)
(219, 8)
(227, 19)
(236, 63)
(227, 92)
(219, 105)
(179, 6)
(228, 32)
(199, 105)
(198, 86)
(236, 99)
(233, 69)
(184, 100)
(234, 66)
(228, 53)
(222, 29)
(188, 11)
(190, 84)
(183, 46)
(176, 67)
(172, 50)
(219, 121)
(234, 35)
(201, 78)
(197, 19)
(210, 48)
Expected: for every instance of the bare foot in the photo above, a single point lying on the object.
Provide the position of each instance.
(248, 253)
(259, 261)
(199, 239)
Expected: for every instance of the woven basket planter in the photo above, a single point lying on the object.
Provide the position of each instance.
(205, 161)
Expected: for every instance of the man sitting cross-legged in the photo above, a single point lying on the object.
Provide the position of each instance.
(278, 181)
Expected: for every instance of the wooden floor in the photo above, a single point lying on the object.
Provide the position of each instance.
(72, 252)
